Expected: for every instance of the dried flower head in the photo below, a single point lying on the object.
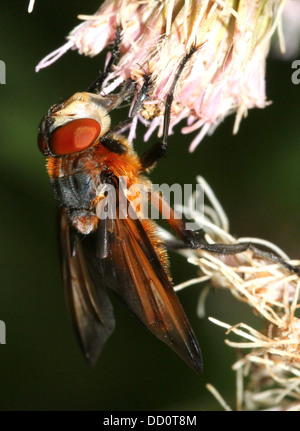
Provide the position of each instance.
(226, 75)
(272, 366)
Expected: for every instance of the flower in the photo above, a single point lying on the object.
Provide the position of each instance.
(227, 74)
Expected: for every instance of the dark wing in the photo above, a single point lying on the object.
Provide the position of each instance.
(133, 270)
(90, 308)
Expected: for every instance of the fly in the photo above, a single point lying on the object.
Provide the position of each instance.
(86, 159)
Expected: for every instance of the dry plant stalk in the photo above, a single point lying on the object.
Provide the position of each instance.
(272, 366)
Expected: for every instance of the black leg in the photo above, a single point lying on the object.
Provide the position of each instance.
(158, 150)
(108, 140)
(142, 95)
(96, 86)
(190, 240)
(127, 91)
(113, 145)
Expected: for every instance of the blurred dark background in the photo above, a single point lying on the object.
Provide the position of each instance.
(254, 174)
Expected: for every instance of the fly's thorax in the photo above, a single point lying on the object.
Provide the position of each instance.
(76, 192)
(75, 180)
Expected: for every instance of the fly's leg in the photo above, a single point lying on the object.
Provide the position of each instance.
(129, 87)
(107, 140)
(142, 95)
(96, 85)
(158, 150)
(191, 239)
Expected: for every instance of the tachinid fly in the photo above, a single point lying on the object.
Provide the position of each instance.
(125, 254)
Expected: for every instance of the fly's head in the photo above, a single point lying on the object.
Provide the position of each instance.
(74, 125)
(67, 136)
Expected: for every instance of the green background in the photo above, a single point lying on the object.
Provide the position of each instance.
(254, 174)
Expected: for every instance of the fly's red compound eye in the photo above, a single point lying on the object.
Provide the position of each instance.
(74, 136)
(42, 144)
